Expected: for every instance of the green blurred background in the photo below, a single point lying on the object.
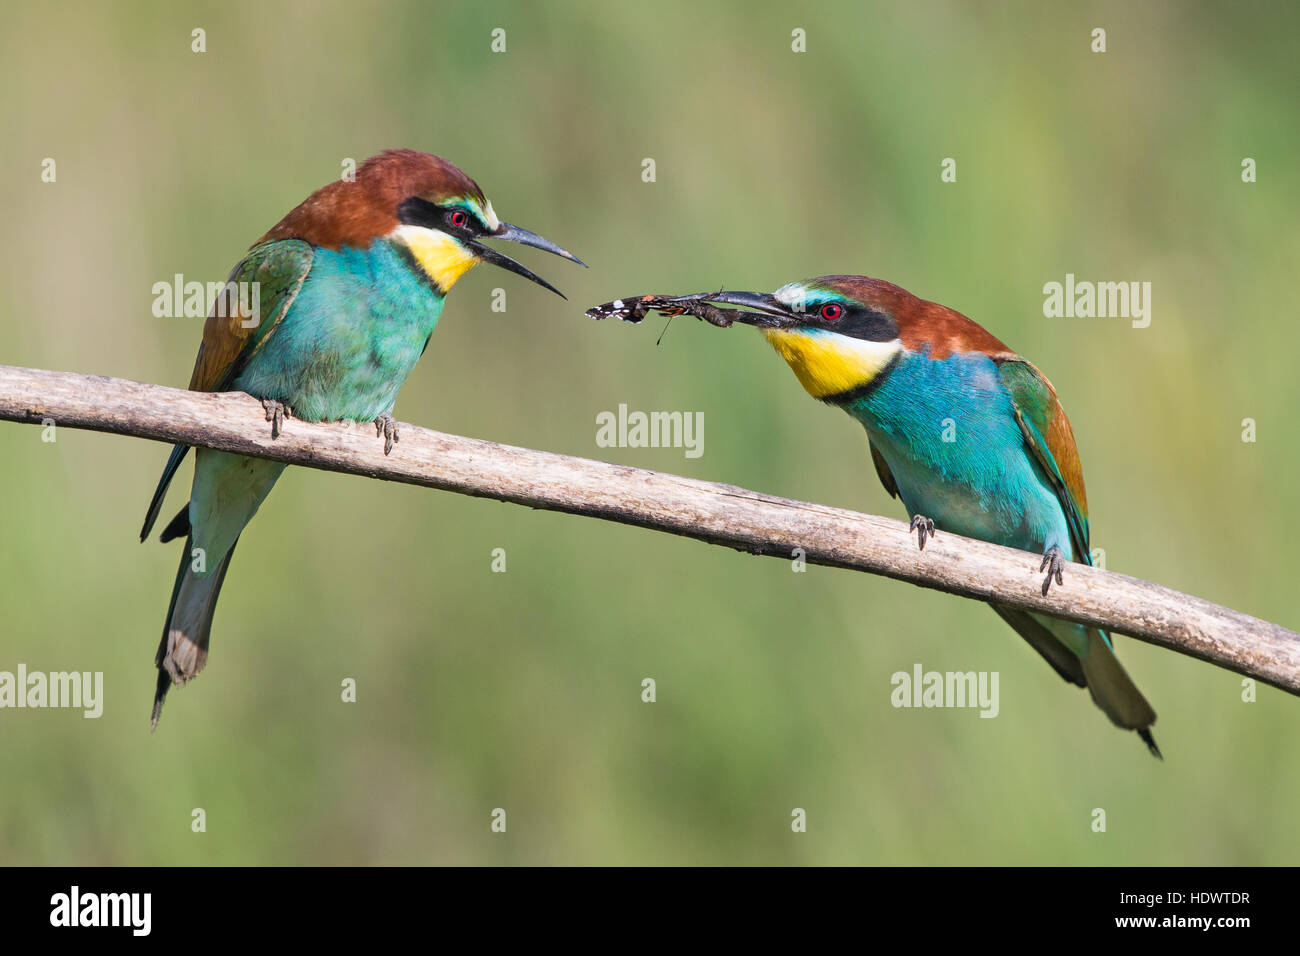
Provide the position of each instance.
(522, 690)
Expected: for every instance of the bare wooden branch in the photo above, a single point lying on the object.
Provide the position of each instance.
(708, 511)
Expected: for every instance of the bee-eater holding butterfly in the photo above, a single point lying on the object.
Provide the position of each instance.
(350, 286)
(967, 433)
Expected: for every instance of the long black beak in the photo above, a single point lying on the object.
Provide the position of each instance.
(767, 312)
(523, 236)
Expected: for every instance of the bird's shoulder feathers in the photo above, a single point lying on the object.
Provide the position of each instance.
(232, 334)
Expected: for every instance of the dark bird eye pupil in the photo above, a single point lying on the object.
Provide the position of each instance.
(458, 219)
(831, 312)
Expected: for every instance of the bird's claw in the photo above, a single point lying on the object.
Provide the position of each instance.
(276, 413)
(923, 527)
(386, 426)
(1054, 564)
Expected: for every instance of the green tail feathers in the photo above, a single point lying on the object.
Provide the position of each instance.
(1114, 691)
(183, 650)
(227, 491)
(1084, 656)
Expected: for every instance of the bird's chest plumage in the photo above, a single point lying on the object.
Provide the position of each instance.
(351, 337)
(948, 431)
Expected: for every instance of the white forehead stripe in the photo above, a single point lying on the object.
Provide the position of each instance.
(790, 292)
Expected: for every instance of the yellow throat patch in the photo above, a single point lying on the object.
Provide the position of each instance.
(443, 259)
(827, 363)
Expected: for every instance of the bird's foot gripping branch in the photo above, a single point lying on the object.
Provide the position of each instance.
(711, 512)
(968, 434)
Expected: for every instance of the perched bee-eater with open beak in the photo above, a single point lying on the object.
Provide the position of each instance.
(350, 286)
(967, 433)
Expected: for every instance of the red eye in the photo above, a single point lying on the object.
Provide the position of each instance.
(458, 219)
(831, 312)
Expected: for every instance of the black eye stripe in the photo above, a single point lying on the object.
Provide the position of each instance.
(856, 321)
(420, 212)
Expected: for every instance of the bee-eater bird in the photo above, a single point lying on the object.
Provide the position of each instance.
(967, 433)
(351, 284)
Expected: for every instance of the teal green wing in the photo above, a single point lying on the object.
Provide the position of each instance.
(232, 335)
(1080, 655)
(1050, 440)
(235, 331)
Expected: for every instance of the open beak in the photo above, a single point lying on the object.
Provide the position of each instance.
(523, 236)
(767, 312)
